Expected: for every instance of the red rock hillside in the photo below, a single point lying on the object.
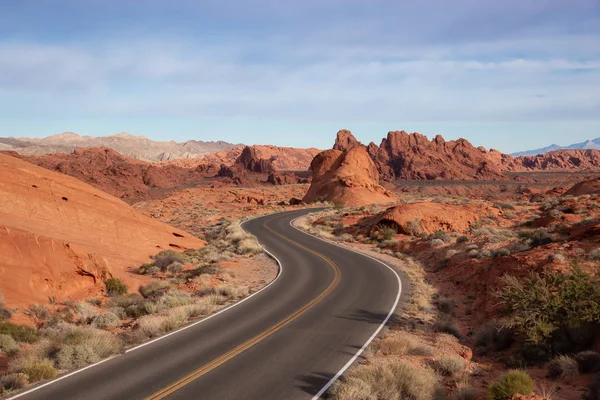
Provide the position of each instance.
(120, 175)
(60, 237)
(282, 158)
(349, 177)
(590, 186)
(560, 160)
(413, 156)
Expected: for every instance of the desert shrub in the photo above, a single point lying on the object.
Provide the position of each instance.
(106, 321)
(115, 287)
(101, 342)
(75, 356)
(151, 325)
(463, 393)
(449, 365)
(40, 370)
(588, 361)
(493, 336)
(173, 298)
(145, 268)
(542, 304)
(154, 289)
(436, 242)
(511, 383)
(20, 333)
(473, 253)
(84, 311)
(562, 367)
(175, 318)
(8, 345)
(461, 239)
(231, 291)
(38, 311)
(395, 345)
(500, 252)
(174, 268)
(594, 255)
(126, 300)
(387, 233)
(167, 257)
(94, 301)
(249, 246)
(505, 206)
(445, 323)
(390, 381)
(13, 381)
(557, 257)
(442, 235)
(446, 304)
(536, 237)
(413, 227)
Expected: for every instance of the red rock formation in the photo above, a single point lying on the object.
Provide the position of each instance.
(282, 158)
(120, 175)
(349, 177)
(428, 217)
(345, 140)
(590, 186)
(413, 156)
(60, 237)
(560, 160)
(286, 178)
(253, 163)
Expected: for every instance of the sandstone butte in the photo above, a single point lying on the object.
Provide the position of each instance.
(349, 177)
(60, 238)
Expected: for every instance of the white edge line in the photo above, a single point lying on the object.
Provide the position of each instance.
(279, 272)
(374, 335)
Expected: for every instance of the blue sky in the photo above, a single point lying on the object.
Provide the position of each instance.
(510, 75)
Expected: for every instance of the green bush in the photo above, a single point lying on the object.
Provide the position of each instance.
(513, 382)
(542, 304)
(115, 287)
(387, 233)
(40, 370)
(20, 333)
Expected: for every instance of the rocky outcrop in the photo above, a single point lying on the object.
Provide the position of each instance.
(282, 158)
(427, 217)
(251, 162)
(345, 140)
(348, 177)
(61, 238)
(590, 186)
(413, 156)
(287, 178)
(560, 160)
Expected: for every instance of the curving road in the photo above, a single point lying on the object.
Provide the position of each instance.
(286, 342)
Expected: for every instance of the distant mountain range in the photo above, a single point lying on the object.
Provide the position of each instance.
(593, 144)
(138, 147)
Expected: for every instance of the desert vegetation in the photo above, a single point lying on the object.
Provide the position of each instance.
(184, 286)
(517, 286)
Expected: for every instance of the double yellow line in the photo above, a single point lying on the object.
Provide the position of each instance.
(263, 335)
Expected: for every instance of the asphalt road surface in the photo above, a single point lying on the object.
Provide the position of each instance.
(286, 342)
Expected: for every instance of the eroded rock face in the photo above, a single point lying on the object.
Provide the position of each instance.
(253, 163)
(349, 177)
(413, 156)
(60, 237)
(345, 140)
(286, 178)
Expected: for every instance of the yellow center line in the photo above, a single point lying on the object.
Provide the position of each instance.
(261, 336)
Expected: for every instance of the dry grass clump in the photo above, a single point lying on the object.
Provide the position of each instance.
(463, 393)
(563, 367)
(39, 370)
(390, 381)
(594, 255)
(15, 381)
(449, 365)
(395, 345)
(154, 288)
(445, 323)
(8, 345)
(493, 336)
(107, 320)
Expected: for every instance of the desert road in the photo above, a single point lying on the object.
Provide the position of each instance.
(286, 342)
